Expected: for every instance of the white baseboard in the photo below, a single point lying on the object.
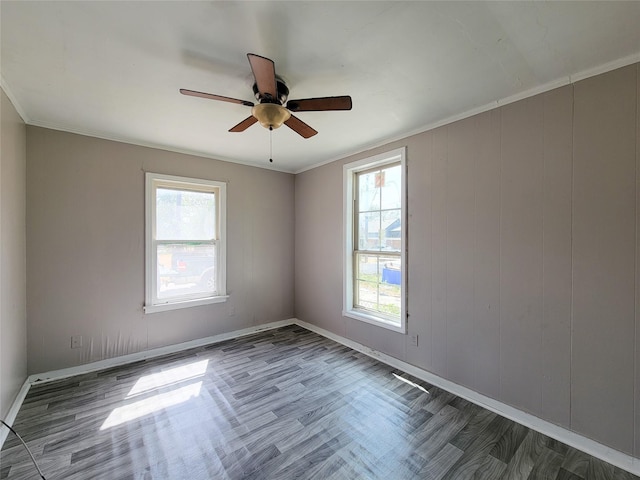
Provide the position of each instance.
(154, 352)
(598, 450)
(593, 448)
(13, 411)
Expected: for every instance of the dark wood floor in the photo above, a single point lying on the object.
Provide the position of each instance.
(282, 404)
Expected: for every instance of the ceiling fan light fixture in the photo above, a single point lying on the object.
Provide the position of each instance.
(270, 115)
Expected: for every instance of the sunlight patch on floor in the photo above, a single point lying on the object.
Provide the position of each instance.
(411, 383)
(167, 378)
(152, 404)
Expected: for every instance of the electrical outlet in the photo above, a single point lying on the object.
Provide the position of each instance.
(232, 311)
(414, 339)
(76, 341)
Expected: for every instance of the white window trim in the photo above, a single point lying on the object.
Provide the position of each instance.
(348, 172)
(151, 179)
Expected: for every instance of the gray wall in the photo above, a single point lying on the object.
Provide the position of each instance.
(13, 318)
(523, 252)
(85, 249)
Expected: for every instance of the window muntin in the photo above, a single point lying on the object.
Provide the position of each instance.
(375, 275)
(185, 242)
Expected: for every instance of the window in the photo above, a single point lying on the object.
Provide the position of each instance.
(374, 267)
(185, 242)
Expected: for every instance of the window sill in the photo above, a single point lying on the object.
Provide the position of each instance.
(372, 319)
(163, 307)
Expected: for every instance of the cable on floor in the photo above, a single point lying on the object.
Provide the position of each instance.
(25, 446)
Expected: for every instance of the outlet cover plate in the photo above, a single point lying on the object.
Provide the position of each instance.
(76, 341)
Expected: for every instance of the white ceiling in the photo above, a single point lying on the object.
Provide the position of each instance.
(113, 69)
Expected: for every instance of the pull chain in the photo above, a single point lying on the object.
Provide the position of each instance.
(271, 144)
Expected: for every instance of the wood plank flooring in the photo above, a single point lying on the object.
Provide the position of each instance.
(282, 404)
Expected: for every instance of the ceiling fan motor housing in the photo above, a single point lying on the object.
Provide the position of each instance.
(283, 93)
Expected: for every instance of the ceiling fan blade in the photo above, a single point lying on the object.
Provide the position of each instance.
(244, 124)
(211, 96)
(298, 126)
(320, 104)
(264, 71)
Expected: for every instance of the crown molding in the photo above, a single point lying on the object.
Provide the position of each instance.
(560, 82)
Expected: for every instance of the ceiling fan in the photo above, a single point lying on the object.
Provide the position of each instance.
(272, 93)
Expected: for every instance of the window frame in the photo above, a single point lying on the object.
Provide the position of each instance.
(350, 170)
(153, 181)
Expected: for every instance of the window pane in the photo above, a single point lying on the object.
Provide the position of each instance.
(390, 300)
(369, 231)
(391, 234)
(390, 290)
(367, 295)
(185, 215)
(390, 188)
(390, 270)
(378, 280)
(185, 270)
(368, 278)
(367, 268)
(368, 191)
